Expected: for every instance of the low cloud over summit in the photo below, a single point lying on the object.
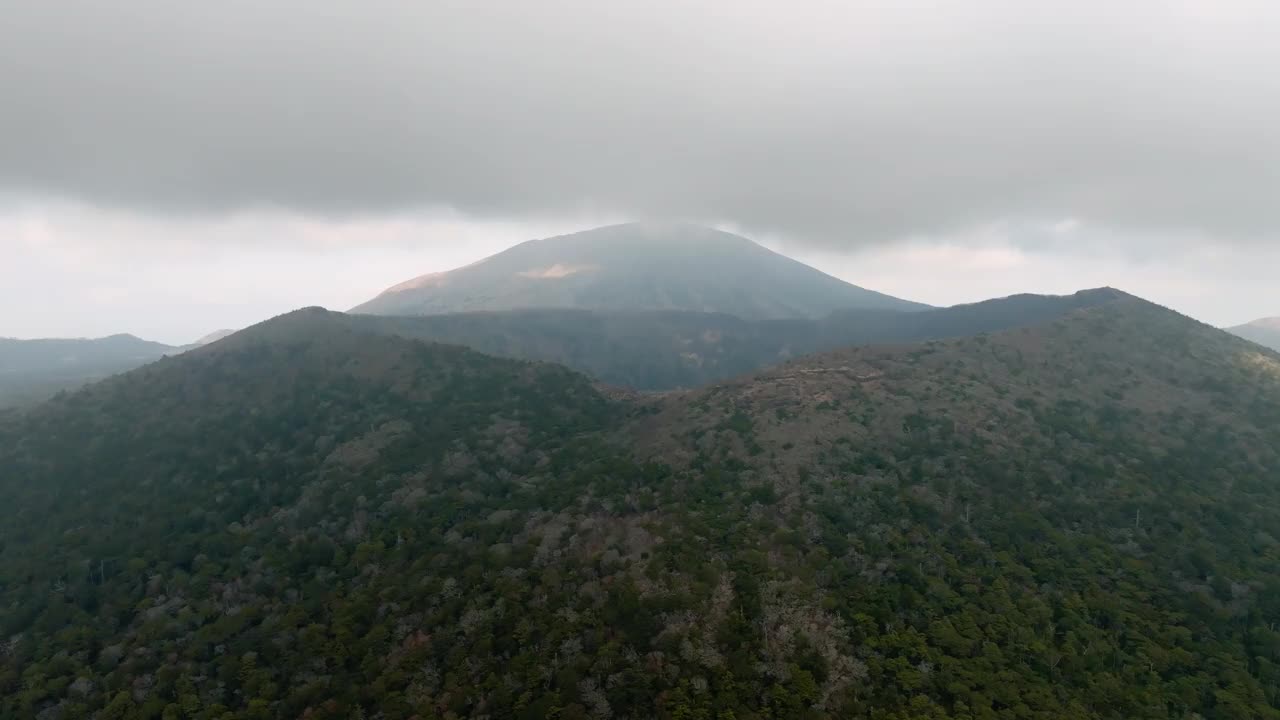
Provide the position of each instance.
(831, 122)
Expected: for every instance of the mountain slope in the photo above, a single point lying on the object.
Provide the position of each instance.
(1070, 520)
(663, 350)
(32, 370)
(171, 418)
(1072, 503)
(637, 266)
(1265, 332)
(653, 350)
(213, 337)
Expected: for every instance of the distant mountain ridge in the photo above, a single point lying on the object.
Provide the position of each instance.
(1264, 332)
(665, 350)
(635, 266)
(31, 370)
(34, 370)
(641, 350)
(48, 353)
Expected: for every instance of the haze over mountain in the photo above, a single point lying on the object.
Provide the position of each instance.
(214, 336)
(664, 350)
(643, 350)
(158, 170)
(635, 266)
(1264, 332)
(1073, 519)
(654, 350)
(651, 470)
(33, 370)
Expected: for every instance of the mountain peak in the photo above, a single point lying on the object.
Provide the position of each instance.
(635, 266)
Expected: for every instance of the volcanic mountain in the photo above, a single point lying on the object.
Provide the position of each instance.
(636, 266)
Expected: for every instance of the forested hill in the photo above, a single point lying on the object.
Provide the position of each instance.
(642, 350)
(665, 350)
(1072, 520)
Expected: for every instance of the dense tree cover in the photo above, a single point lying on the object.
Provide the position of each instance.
(1068, 521)
(308, 520)
(644, 350)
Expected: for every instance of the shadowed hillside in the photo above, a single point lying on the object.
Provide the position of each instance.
(663, 350)
(1074, 519)
(643, 350)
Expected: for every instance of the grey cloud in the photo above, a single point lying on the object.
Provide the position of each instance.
(838, 122)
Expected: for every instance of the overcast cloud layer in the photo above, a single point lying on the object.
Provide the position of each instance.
(179, 155)
(838, 122)
(74, 271)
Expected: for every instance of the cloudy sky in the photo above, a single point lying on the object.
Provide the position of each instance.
(170, 168)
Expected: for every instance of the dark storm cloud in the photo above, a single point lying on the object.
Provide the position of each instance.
(838, 122)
